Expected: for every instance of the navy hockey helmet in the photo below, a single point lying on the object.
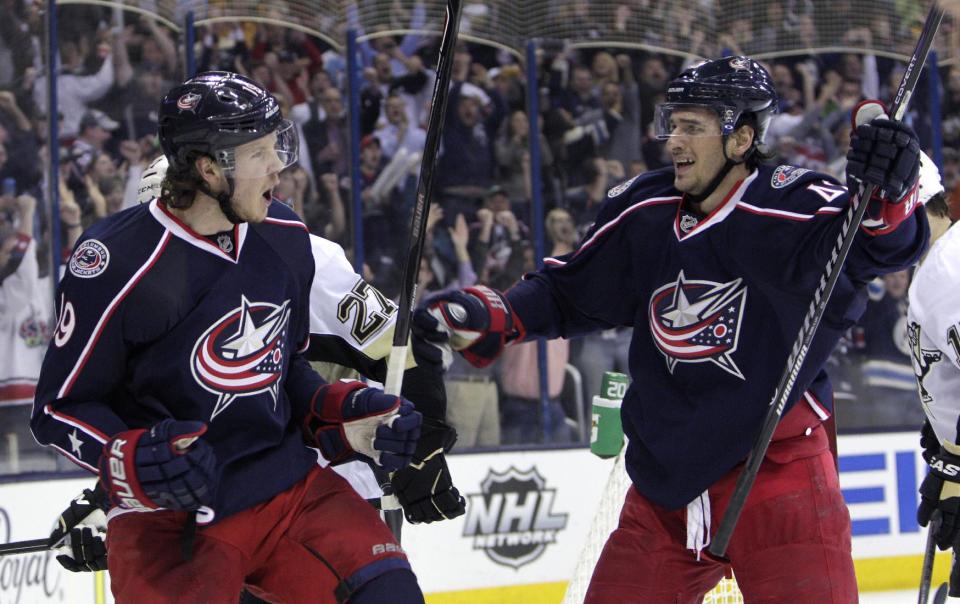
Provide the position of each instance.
(214, 112)
(732, 86)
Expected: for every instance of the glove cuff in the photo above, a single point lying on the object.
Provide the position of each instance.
(884, 215)
(504, 325)
(118, 472)
(945, 466)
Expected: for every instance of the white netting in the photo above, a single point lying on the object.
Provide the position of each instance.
(604, 521)
(693, 28)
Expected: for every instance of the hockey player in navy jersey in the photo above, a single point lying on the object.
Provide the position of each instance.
(177, 372)
(362, 342)
(713, 262)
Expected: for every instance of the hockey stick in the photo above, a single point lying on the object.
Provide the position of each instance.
(24, 547)
(818, 304)
(418, 227)
(397, 361)
(929, 552)
(954, 589)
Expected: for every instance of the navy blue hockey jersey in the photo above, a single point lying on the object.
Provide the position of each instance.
(155, 321)
(715, 308)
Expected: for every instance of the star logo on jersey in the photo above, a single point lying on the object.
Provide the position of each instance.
(696, 321)
(75, 443)
(242, 353)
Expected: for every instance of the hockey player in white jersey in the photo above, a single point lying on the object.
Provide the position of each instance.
(933, 321)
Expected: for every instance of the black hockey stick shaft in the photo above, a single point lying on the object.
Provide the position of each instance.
(954, 585)
(24, 547)
(421, 207)
(929, 552)
(848, 231)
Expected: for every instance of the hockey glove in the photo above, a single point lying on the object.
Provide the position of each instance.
(80, 534)
(347, 418)
(940, 490)
(424, 487)
(479, 321)
(886, 154)
(168, 466)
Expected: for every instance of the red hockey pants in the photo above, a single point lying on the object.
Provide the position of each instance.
(316, 539)
(791, 544)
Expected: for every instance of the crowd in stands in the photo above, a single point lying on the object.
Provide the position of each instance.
(594, 131)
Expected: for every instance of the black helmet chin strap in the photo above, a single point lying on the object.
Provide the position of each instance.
(224, 200)
(728, 165)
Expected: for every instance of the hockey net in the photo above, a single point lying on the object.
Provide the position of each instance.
(604, 521)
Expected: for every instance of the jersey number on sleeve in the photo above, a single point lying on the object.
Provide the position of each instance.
(953, 338)
(366, 321)
(826, 190)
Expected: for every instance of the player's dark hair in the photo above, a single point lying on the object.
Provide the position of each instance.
(181, 183)
(938, 206)
(757, 154)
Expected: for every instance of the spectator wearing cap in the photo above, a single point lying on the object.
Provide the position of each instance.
(380, 214)
(497, 241)
(466, 166)
(95, 129)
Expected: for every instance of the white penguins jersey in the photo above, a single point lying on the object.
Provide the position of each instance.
(933, 331)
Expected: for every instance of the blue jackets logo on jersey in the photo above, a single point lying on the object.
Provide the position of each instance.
(90, 259)
(242, 353)
(784, 175)
(621, 187)
(698, 321)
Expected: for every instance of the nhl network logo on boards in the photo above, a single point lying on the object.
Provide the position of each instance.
(512, 518)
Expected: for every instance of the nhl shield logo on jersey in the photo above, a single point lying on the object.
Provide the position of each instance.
(512, 519)
(696, 321)
(784, 175)
(242, 354)
(90, 259)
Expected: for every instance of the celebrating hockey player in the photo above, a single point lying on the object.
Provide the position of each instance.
(424, 488)
(714, 262)
(177, 373)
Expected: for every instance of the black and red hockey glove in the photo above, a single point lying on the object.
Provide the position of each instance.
(168, 466)
(479, 322)
(424, 488)
(884, 153)
(347, 418)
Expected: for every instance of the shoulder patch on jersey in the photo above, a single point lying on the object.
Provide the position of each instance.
(90, 259)
(621, 187)
(784, 175)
